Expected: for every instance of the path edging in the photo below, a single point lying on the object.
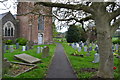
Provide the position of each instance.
(70, 63)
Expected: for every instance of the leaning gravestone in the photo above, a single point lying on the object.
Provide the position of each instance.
(45, 52)
(27, 58)
(96, 58)
(11, 48)
(6, 65)
(17, 45)
(23, 48)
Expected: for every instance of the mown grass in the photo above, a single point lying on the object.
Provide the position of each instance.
(40, 71)
(85, 62)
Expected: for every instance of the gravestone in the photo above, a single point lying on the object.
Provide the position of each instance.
(38, 50)
(6, 65)
(96, 58)
(11, 48)
(116, 47)
(85, 49)
(27, 47)
(27, 58)
(90, 48)
(77, 45)
(6, 46)
(79, 49)
(113, 48)
(45, 51)
(17, 45)
(23, 48)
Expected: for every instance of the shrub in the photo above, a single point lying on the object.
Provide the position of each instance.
(21, 41)
(116, 41)
(8, 42)
(75, 34)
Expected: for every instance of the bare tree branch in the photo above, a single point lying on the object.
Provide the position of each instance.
(115, 26)
(114, 14)
(85, 8)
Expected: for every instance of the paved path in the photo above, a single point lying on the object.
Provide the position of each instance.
(60, 67)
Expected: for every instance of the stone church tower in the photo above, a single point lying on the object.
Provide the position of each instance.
(34, 27)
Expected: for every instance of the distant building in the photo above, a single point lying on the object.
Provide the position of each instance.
(36, 28)
(33, 27)
(9, 26)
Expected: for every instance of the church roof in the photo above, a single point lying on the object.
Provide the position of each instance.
(2, 15)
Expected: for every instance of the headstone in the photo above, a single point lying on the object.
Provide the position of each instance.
(96, 58)
(38, 50)
(45, 52)
(90, 48)
(6, 65)
(23, 48)
(85, 49)
(11, 48)
(17, 45)
(82, 44)
(27, 48)
(113, 49)
(6, 46)
(77, 45)
(27, 58)
(79, 49)
(116, 46)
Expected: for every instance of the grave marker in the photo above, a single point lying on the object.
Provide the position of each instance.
(27, 58)
(23, 48)
(85, 49)
(79, 49)
(96, 58)
(38, 50)
(11, 48)
(17, 45)
(45, 52)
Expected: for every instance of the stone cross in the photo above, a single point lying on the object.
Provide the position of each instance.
(11, 48)
(23, 48)
(17, 45)
(96, 58)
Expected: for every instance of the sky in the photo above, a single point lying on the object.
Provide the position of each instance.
(13, 9)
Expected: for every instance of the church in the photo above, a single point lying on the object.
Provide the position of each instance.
(35, 28)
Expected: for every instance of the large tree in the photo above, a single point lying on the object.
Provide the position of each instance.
(106, 16)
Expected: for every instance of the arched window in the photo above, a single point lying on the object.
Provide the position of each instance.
(9, 29)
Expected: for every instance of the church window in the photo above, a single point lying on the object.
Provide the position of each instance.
(8, 29)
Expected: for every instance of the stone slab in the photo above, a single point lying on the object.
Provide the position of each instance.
(27, 58)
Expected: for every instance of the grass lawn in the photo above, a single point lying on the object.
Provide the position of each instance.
(40, 71)
(85, 62)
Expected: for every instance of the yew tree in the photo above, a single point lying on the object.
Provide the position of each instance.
(106, 16)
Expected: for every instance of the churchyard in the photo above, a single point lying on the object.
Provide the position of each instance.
(85, 59)
(23, 62)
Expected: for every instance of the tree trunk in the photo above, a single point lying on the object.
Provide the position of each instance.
(104, 39)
